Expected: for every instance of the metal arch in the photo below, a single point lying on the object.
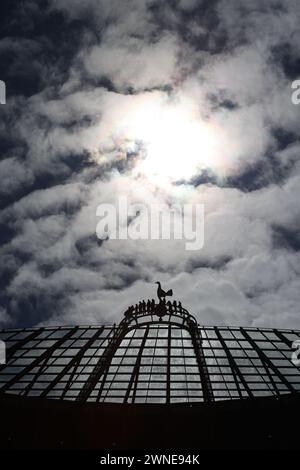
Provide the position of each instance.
(177, 316)
(70, 380)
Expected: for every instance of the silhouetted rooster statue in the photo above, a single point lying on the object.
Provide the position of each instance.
(161, 294)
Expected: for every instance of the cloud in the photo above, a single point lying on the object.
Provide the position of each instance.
(188, 5)
(70, 142)
(135, 64)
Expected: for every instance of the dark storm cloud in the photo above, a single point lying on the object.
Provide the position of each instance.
(71, 69)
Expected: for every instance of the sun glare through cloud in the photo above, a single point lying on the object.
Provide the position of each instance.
(177, 143)
(171, 139)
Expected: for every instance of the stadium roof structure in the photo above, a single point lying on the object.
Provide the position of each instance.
(157, 354)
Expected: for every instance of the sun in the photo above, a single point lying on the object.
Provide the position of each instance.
(171, 139)
(177, 144)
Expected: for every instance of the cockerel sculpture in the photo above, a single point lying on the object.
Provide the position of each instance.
(161, 294)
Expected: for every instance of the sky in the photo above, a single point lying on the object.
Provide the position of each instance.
(158, 101)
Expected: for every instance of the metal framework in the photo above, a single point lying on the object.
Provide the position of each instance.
(158, 353)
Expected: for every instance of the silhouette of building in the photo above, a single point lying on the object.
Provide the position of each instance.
(158, 355)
